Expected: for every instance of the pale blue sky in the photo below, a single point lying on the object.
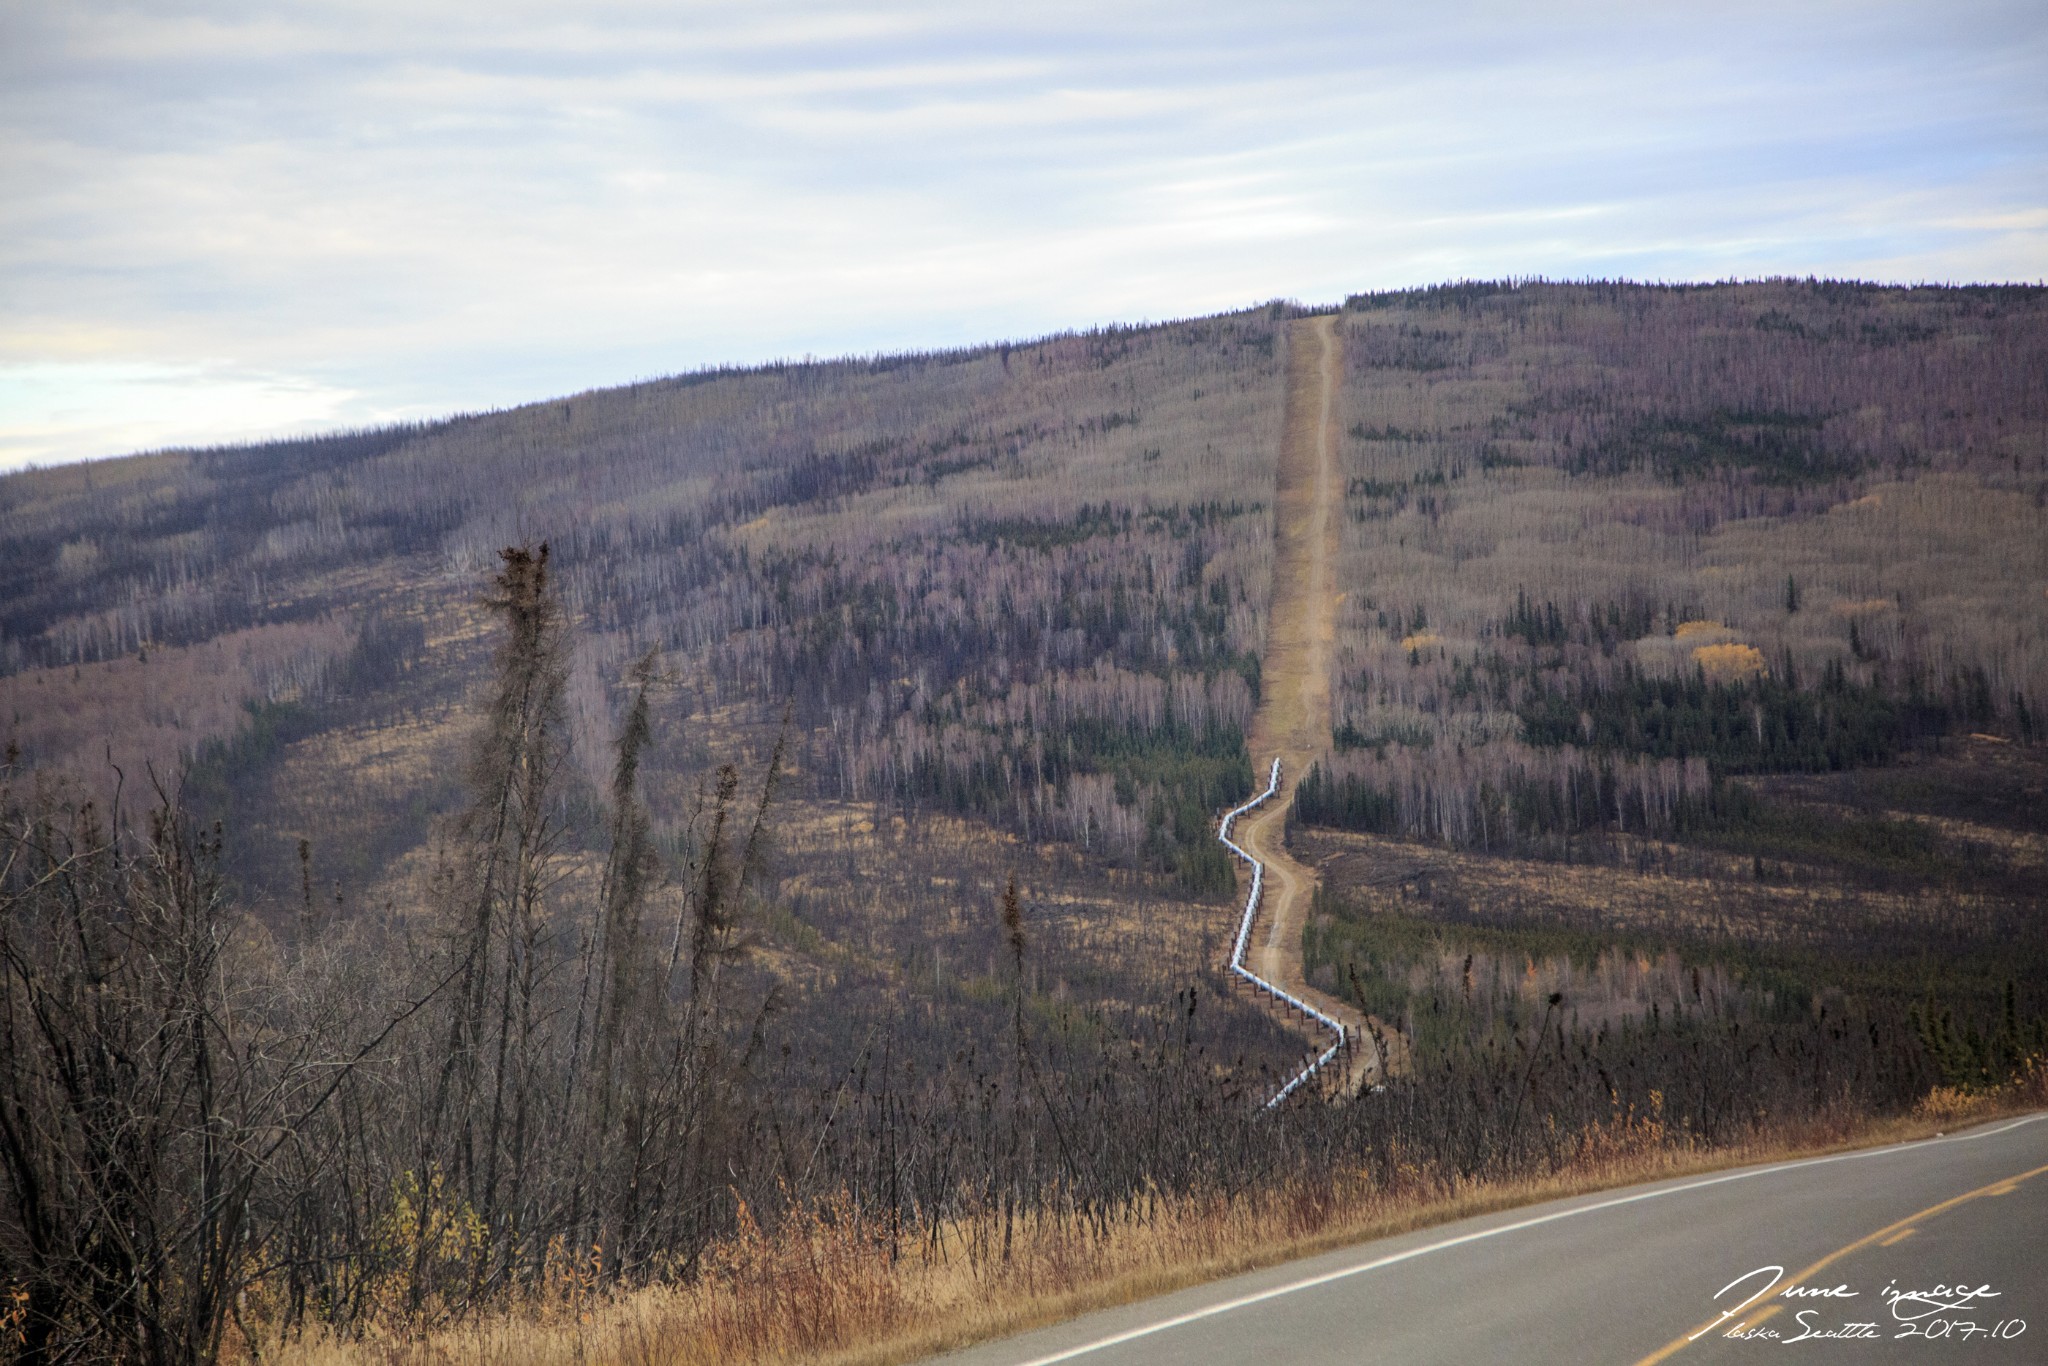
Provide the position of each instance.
(227, 220)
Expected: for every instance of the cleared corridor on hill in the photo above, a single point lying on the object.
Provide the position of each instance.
(1293, 718)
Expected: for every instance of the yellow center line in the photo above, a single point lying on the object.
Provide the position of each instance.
(2005, 1185)
(1899, 1237)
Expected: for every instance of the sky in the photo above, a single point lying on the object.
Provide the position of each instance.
(225, 221)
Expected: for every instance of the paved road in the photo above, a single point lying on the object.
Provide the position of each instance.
(1628, 1276)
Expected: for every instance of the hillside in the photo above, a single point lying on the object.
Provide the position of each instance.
(1708, 620)
(1027, 585)
(1676, 702)
(957, 570)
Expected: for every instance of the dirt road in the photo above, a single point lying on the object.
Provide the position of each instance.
(1293, 719)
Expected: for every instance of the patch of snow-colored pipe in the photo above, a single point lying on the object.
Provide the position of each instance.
(1244, 934)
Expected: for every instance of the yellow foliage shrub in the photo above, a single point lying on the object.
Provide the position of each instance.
(1421, 640)
(1729, 663)
(1698, 628)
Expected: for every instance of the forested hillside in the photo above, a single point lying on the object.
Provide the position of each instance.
(630, 837)
(1609, 541)
(1691, 631)
(1023, 583)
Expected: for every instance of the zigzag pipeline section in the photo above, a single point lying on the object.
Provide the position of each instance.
(1244, 934)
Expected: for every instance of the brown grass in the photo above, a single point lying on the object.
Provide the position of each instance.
(1692, 900)
(828, 1291)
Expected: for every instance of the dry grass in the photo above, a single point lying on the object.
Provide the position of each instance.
(1707, 891)
(828, 1291)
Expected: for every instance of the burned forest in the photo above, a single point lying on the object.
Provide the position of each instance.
(729, 863)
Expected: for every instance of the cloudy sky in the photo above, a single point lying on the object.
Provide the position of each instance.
(224, 220)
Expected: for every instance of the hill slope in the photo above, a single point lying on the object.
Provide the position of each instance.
(1028, 585)
(1671, 775)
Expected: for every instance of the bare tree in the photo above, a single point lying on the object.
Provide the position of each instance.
(143, 1100)
(479, 1121)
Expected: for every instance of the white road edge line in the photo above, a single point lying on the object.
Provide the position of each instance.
(1309, 1283)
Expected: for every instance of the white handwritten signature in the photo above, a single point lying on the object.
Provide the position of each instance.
(1919, 1309)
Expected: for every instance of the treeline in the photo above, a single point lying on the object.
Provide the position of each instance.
(1601, 624)
(1564, 738)
(180, 546)
(1749, 382)
(1086, 679)
(1114, 789)
(103, 559)
(1641, 755)
(901, 545)
(1504, 798)
(1765, 724)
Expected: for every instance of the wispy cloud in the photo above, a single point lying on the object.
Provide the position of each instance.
(370, 207)
(53, 407)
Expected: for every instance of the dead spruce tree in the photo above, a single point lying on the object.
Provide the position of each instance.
(480, 1120)
(616, 982)
(586, 1096)
(676, 1116)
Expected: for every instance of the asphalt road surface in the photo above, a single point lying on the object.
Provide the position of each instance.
(1935, 1251)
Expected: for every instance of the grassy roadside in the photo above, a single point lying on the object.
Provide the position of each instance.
(830, 1293)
